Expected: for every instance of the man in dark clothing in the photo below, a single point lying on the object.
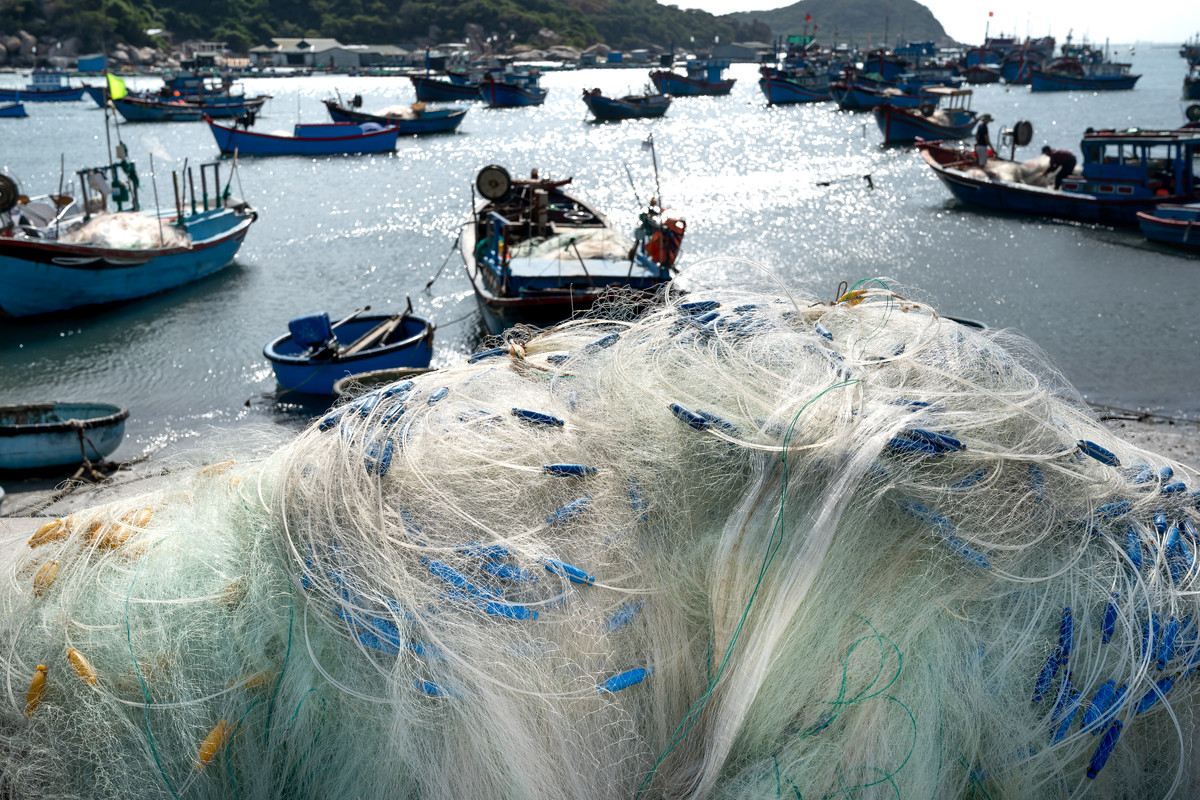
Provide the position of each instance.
(1062, 160)
(983, 142)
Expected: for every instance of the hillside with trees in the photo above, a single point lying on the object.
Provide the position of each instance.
(862, 22)
(624, 24)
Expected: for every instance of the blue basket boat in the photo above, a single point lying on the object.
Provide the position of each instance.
(314, 354)
(44, 436)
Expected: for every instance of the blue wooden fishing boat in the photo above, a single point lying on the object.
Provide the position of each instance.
(703, 77)
(439, 90)
(46, 436)
(1175, 225)
(307, 140)
(1124, 172)
(314, 354)
(59, 253)
(13, 110)
(858, 93)
(414, 119)
(1073, 74)
(513, 89)
(139, 109)
(46, 86)
(780, 87)
(885, 64)
(537, 255)
(631, 106)
(944, 114)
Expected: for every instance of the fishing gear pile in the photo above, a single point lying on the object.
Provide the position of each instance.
(737, 545)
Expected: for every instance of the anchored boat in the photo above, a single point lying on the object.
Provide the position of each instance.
(703, 77)
(42, 436)
(314, 354)
(1124, 172)
(537, 255)
(414, 119)
(943, 113)
(1175, 225)
(336, 138)
(61, 253)
(631, 106)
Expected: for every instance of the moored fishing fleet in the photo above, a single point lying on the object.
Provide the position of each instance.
(536, 253)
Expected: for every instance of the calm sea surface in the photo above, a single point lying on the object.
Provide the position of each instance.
(781, 186)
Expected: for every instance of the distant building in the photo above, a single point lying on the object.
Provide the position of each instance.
(294, 53)
(742, 51)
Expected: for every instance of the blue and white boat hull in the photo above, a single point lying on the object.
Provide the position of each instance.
(39, 276)
(41, 436)
(297, 370)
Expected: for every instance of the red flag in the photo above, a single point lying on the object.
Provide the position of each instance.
(814, 27)
(807, 17)
(989, 13)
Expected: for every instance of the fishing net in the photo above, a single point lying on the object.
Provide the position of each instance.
(604, 243)
(127, 231)
(740, 546)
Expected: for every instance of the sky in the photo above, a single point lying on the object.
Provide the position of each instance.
(1170, 21)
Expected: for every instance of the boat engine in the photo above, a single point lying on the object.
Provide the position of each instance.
(8, 193)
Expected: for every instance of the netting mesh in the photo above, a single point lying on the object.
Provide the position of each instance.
(737, 546)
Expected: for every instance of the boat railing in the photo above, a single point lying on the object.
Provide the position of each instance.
(496, 252)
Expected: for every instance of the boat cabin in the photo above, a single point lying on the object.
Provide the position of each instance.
(1137, 163)
(47, 80)
(947, 98)
(708, 70)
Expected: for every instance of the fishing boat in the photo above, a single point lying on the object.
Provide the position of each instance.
(60, 253)
(139, 109)
(859, 93)
(801, 77)
(47, 436)
(413, 119)
(1124, 172)
(513, 88)
(1191, 84)
(944, 113)
(631, 106)
(45, 86)
(13, 110)
(703, 77)
(314, 354)
(449, 90)
(1175, 225)
(1069, 73)
(537, 255)
(336, 138)
(981, 73)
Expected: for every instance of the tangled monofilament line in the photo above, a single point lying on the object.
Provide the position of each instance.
(733, 545)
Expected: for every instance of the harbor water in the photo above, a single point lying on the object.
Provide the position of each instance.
(784, 187)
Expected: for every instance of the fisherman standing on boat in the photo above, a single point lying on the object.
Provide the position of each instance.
(1062, 160)
(983, 142)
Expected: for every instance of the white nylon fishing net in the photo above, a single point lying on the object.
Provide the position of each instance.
(740, 546)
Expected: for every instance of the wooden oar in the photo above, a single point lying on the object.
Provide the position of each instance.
(377, 334)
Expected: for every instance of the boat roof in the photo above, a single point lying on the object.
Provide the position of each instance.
(1137, 135)
(945, 91)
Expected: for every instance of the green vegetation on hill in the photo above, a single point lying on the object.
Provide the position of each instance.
(862, 22)
(623, 24)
